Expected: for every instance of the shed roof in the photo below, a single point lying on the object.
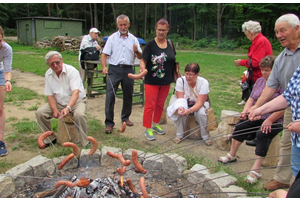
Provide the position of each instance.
(50, 18)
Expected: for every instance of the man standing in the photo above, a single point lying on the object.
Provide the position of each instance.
(121, 47)
(65, 93)
(286, 30)
(89, 40)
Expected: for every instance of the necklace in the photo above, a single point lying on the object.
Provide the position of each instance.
(161, 43)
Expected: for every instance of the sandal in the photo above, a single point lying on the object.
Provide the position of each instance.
(208, 142)
(225, 160)
(176, 140)
(251, 179)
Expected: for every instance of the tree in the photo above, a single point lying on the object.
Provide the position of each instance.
(96, 24)
(219, 24)
(49, 12)
(145, 20)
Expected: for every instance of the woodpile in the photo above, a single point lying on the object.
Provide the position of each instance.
(65, 43)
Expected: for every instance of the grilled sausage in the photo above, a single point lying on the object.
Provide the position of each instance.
(131, 186)
(64, 182)
(136, 162)
(143, 187)
(94, 145)
(122, 171)
(74, 146)
(83, 182)
(42, 137)
(122, 160)
(123, 127)
(65, 161)
(114, 155)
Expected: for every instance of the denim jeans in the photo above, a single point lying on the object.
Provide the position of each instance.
(295, 159)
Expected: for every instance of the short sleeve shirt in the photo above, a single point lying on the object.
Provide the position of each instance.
(6, 57)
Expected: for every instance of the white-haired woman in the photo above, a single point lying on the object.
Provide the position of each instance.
(260, 48)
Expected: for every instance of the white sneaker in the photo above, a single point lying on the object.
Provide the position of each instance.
(242, 103)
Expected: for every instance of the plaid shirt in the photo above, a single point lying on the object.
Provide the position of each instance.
(292, 96)
(257, 90)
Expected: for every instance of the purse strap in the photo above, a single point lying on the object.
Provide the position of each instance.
(171, 44)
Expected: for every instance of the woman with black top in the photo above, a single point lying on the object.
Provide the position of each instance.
(159, 59)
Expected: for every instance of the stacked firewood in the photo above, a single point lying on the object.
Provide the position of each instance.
(65, 43)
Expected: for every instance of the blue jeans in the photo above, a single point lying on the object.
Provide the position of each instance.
(295, 159)
(2, 81)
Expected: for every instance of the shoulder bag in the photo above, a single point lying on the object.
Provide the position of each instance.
(212, 123)
(176, 69)
(247, 86)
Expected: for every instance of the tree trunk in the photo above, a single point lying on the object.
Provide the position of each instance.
(85, 23)
(133, 20)
(166, 12)
(194, 28)
(170, 20)
(155, 15)
(91, 14)
(49, 13)
(96, 24)
(103, 11)
(145, 22)
(74, 16)
(57, 10)
(28, 9)
(219, 22)
(114, 11)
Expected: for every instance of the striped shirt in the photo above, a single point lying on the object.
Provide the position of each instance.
(6, 57)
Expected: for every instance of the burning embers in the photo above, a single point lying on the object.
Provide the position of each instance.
(97, 188)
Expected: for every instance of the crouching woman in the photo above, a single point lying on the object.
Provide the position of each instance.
(192, 98)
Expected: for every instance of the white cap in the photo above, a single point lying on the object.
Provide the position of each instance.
(94, 30)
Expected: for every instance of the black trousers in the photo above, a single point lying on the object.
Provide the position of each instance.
(247, 127)
(117, 75)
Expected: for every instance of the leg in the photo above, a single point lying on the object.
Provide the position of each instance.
(2, 114)
(160, 102)
(151, 93)
(113, 80)
(43, 115)
(80, 120)
(180, 122)
(127, 87)
(295, 159)
(82, 73)
(284, 174)
(201, 118)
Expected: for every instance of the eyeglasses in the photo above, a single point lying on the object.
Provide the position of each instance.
(52, 64)
(162, 30)
(189, 75)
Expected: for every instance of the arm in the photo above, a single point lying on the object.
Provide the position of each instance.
(278, 194)
(267, 125)
(8, 86)
(137, 52)
(244, 113)
(264, 97)
(180, 95)
(142, 65)
(103, 63)
(75, 95)
(52, 104)
(294, 126)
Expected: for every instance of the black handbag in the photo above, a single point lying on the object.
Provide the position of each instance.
(89, 53)
(247, 86)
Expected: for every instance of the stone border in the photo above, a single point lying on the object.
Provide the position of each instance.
(173, 166)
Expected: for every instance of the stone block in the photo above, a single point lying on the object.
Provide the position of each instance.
(21, 175)
(85, 160)
(233, 191)
(153, 161)
(197, 174)
(173, 166)
(214, 182)
(7, 187)
(72, 164)
(107, 160)
(41, 166)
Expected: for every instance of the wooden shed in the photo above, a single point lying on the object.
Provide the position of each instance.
(32, 29)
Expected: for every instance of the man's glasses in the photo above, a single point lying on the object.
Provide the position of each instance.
(52, 64)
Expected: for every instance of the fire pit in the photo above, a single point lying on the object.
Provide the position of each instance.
(164, 178)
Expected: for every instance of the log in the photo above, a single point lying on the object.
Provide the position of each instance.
(230, 117)
(67, 131)
(191, 126)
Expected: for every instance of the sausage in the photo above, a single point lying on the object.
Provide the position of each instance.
(83, 182)
(42, 137)
(64, 162)
(131, 186)
(64, 182)
(143, 187)
(136, 162)
(123, 161)
(138, 76)
(114, 155)
(122, 171)
(123, 127)
(94, 143)
(74, 146)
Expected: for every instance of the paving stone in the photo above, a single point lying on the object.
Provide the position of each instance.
(173, 166)
(153, 161)
(214, 182)
(7, 187)
(233, 191)
(197, 174)
(107, 160)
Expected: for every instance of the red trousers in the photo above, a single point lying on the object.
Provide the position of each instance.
(155, 97)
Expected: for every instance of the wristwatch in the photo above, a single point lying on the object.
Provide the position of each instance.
(191, 110)
(69, 107)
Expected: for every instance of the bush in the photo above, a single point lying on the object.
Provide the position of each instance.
(227, 45)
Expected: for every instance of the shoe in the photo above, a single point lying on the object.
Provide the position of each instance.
(251, 142)
(3, 151)
(225, 160)
(48, 145)
(158, 130)
(208, 142)
(108, 129)
(149, 134)
(275, 185)
(177, 140)
(254, 178)
(242, 103)
(128, 122)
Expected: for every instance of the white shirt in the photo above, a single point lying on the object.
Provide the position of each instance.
(62, 87)
(6, 57)
(120, 50)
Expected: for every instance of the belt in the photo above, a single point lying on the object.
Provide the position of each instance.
(121, 65)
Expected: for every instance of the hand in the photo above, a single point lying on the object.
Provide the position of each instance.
(7, 87)
(98, 47)
(243, 116)
(104, 70)
(64, 112)
(135, 49)
(294, 126)
(56, 114)
(278, 194)
(254, 114)
(266, 127)
(237, 62)
(181, 111)
(141, 70)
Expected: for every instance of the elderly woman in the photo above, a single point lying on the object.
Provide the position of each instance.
(5, 83)
(260, 48)
(270, 123)
(192, 98)
(159, 59)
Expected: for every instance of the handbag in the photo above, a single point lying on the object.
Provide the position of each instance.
(176, 69)
(212, 123)
(89, 53)
(247, 85)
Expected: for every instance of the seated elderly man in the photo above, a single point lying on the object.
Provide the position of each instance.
(65, 92)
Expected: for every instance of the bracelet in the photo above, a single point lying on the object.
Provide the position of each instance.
(69, 108)
(8, 81)
(191, 110)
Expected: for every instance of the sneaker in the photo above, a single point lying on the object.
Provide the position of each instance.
(242, 103)
(149, 134)
(3, 151)
(158, 130)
